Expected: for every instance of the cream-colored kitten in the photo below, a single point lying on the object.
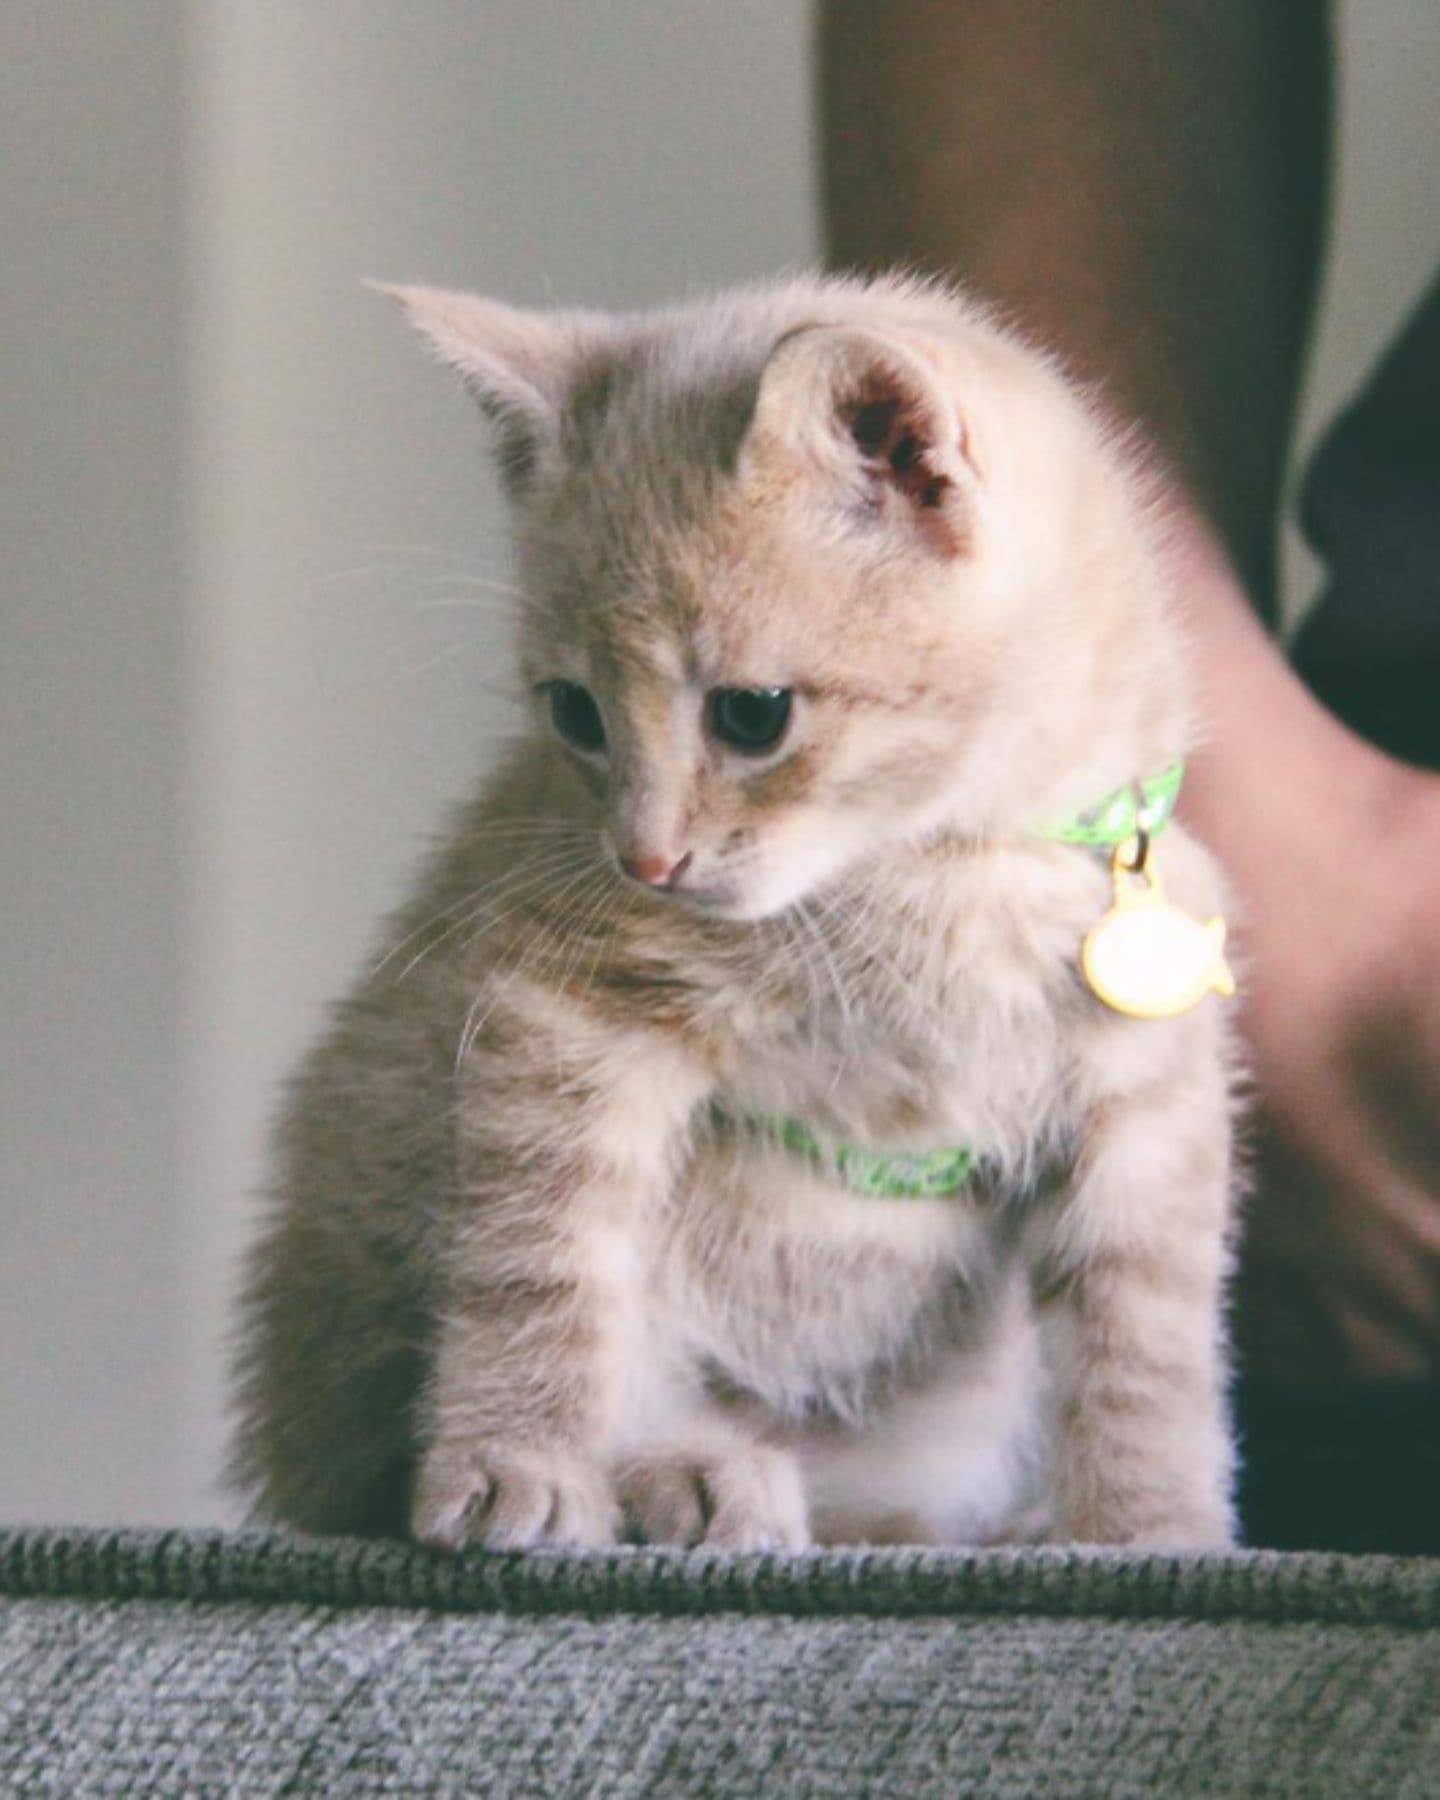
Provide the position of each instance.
(836, 597)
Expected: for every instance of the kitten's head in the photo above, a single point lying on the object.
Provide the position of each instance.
(810, 572)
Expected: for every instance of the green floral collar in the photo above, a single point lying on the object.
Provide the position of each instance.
(1142, 806)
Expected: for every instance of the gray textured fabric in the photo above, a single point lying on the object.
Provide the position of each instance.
(165, 1664)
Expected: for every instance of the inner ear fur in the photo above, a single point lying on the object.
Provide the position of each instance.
(870, 417)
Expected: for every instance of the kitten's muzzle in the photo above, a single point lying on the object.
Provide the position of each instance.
(656, 872)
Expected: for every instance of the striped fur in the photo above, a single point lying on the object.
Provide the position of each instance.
(523, 1278)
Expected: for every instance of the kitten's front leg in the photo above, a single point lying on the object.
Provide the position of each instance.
(1145, 1456)
(567, 1133)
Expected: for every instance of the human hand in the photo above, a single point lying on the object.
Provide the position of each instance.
(1342, 1258)
(1333, 850)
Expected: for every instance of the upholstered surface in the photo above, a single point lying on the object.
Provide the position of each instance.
(210, 1664)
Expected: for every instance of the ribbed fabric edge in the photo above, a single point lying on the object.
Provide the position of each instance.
(215, 1567)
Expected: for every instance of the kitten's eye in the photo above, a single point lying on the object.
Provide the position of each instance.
(752, 720)
(576, 716)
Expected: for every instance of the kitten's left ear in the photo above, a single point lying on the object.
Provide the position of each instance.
(871, 419)
(518, 364)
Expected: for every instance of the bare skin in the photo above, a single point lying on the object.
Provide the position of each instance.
(1144, 189)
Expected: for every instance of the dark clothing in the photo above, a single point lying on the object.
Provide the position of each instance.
(1371, 508)
(1359, 1469)
(1354, 1469)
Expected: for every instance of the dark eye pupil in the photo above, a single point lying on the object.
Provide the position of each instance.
(750, 718)
(576, 716)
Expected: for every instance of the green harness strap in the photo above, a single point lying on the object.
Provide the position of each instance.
(883, 1174)
(933, 1174)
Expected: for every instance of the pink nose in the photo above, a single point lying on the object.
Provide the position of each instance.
(655, 871)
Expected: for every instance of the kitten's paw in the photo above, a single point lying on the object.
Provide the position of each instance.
(511, 1498)
(732, 1497)
(1195, 1526)
(1197, 1530)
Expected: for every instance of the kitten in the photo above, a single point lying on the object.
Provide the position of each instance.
(837, 598)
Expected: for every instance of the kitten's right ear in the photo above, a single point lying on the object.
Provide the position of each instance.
(868, 420)
(518, 364)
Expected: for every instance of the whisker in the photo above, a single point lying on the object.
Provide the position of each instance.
(511, 889)
(579, 926)
(354, 572)
(488, 583)
(487, 603)
(475, 1019)
(531, 946)
(381, 547)
(384, 669)
(837, 984)
(797, 959)
(556, 849)
(448, 654)
(622, 903)
(522, 891)
(576, 923)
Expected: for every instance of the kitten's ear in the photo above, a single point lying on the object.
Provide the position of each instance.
(870, 418)
(518, 364)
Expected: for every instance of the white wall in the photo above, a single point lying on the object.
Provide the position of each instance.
(91, 1383)
(230, 708)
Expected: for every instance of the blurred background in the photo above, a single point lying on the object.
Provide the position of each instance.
(250, 641)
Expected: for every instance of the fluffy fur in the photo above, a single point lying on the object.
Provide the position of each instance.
(529, 1275)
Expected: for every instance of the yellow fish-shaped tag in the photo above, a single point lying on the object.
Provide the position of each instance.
(1146, 958)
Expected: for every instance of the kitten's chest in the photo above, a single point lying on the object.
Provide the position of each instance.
(937, 1011)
